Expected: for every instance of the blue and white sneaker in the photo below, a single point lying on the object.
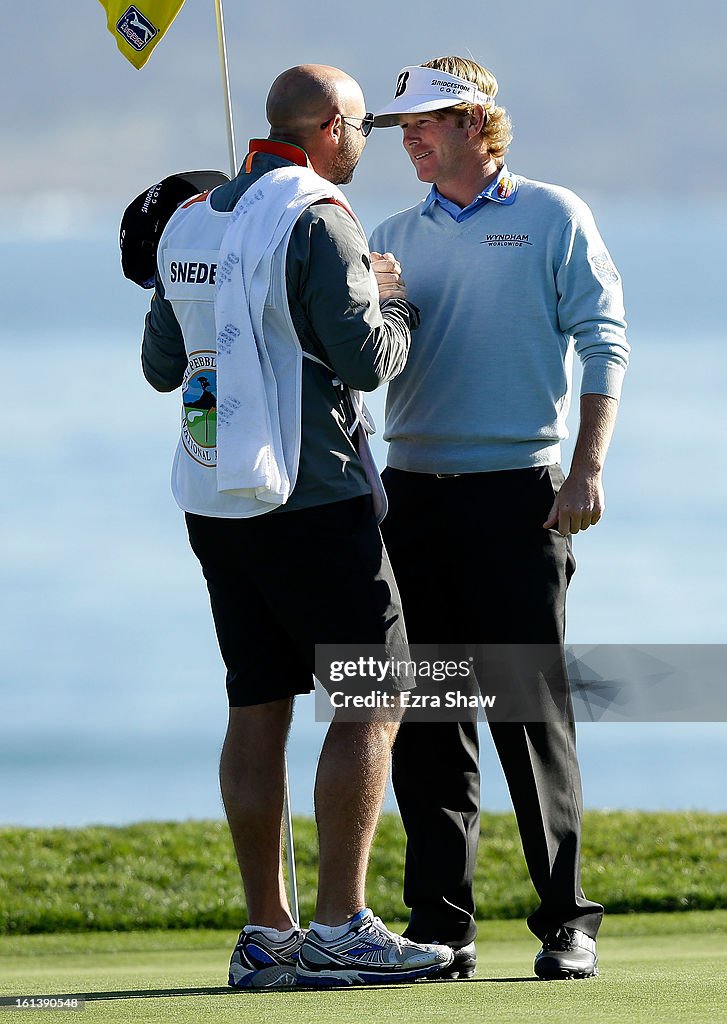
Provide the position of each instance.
(367, 954)
(258, 961)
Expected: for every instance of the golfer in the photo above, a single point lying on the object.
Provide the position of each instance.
(279, 507)
(510, 276)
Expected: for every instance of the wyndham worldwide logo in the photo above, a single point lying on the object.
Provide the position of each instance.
(136, 29)
(509, 241)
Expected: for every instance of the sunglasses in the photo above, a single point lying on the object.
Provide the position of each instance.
(367, 123)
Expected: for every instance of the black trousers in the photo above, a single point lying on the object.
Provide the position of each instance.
(475, 567)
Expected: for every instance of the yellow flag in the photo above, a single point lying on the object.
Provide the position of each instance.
(137, 28)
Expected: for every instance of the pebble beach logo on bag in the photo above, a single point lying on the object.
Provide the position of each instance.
(199, 408)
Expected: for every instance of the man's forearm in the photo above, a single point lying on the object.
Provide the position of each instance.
(580, 503)
(163, 355)
(598, 418)
(392, 340)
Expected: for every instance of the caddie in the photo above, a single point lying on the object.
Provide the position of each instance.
(270, 316)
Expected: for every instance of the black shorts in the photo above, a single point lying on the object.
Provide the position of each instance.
(283, 582)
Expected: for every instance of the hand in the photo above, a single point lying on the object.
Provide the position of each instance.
(578, 504)
(387, 270)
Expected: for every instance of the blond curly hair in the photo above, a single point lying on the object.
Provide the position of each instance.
(497, 130)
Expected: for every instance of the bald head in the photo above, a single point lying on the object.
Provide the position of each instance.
(302, 98)
(308, 106)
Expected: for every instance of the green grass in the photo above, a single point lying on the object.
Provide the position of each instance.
(183, 875)
(665, 968)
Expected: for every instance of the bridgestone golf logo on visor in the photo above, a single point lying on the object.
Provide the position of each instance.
(455, 87)
(199, 408)
(401, 83)
(136, 29)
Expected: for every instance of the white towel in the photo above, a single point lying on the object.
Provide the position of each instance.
(258, 433)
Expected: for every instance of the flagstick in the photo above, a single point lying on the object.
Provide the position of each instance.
(288, 826)
(226, 87)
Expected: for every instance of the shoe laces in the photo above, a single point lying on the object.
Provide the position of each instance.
(561, 939)
(378, 925)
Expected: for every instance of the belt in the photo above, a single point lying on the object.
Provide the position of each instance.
(446, 476)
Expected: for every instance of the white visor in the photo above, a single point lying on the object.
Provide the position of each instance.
(420, 89)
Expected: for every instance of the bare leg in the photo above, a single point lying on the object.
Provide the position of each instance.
(350, 785)
(252, 784)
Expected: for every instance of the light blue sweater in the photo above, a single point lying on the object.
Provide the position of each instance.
(505, 295)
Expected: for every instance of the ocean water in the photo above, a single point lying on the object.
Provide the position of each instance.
(112, 703)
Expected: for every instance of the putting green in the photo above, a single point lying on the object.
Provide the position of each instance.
(669, 968)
